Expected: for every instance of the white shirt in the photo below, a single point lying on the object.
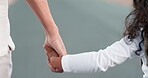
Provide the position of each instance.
(5, 39)
(115, 54)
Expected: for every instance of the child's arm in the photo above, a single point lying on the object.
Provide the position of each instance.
(115, 54)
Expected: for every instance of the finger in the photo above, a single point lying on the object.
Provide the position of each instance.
(55, 69)
(56, 44)
(49, 56)
(52, 54)
(59, 71)
(48, 49)
(56, 62)
(52, 69)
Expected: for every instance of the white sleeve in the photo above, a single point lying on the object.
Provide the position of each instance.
(115, 54)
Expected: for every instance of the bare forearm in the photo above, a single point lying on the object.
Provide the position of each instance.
(53, 38)
(41, 9)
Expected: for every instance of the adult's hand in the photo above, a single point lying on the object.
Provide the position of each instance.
(54, 49)
(54, 41)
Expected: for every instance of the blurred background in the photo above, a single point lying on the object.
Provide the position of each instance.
(85, 25)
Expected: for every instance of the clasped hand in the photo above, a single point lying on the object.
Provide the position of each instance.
(54, 49)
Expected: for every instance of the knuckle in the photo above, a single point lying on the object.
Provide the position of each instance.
(51, 60)
(44, 46)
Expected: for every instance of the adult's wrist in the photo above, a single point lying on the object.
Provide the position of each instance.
(52, 31)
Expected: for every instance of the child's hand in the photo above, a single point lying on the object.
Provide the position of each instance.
(56, 65)
(54, 60)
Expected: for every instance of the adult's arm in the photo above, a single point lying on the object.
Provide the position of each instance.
(53, 39)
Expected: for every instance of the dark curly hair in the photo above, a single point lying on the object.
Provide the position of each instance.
(137, 21)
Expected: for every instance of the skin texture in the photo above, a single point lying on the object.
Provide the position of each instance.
(54, 60)
(53, 45)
